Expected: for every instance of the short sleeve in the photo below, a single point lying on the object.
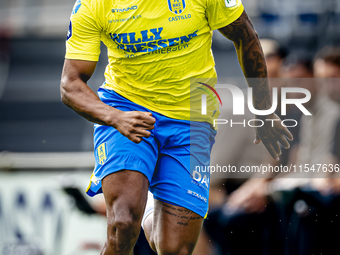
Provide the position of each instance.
(84, 34)
(221, 13)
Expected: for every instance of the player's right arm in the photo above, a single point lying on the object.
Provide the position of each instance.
(229, 17)
(77, 95)
(82, 54)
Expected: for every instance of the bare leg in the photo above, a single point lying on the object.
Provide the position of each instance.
(125, 195)
(203, 246)
(172, 229)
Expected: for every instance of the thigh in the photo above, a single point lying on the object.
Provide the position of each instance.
(125, 195)
(175, 229)
(180, 177)
(172, 183)
(114, 152)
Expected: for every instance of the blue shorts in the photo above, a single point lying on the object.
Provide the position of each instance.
(168, 158)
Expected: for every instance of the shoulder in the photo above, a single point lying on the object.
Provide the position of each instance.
(94, 6)
(95, 10)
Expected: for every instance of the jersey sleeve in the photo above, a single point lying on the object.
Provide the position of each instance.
(84, 34)
(221, 13)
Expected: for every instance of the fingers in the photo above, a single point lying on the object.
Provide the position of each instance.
(134, 125)
(287, 133)
(271, 136)
(283, 141)
(270, 148)
(135, 139)
(147, 113)
(137, 135)
(281, 135)
(146, 117)
(141, 133)
(270, 141)
(257, 139)
(276, 147)
(141, 123)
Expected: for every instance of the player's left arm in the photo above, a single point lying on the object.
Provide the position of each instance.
(252, 61)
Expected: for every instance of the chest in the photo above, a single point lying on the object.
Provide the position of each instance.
(133, 24)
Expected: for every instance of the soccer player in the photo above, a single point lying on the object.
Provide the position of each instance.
(142, 111)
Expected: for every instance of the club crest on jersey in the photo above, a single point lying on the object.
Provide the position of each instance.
(176, 6)
(101, 153)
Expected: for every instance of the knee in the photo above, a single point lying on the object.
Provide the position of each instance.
(175, 249)
(122, 227)
(123, 223)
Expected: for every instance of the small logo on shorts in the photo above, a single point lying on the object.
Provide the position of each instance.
(194, 194)
(102, 153)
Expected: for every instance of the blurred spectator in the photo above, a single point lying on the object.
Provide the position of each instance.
(235, 222)
(297, 65)
(300, 200)
(275, 56)
(317, 131)
(142, 246)
(252, 195)
(251, 209)
(330, 58)
(296, 71)
(4, 57)
(327, 65)
(234, 146)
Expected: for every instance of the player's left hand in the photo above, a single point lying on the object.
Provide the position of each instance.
(271, 134)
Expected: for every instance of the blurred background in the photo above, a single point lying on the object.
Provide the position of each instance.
(46, 150)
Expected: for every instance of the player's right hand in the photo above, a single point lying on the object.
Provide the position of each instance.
(134, 125)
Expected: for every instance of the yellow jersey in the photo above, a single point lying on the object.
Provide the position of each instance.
(156, 49)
